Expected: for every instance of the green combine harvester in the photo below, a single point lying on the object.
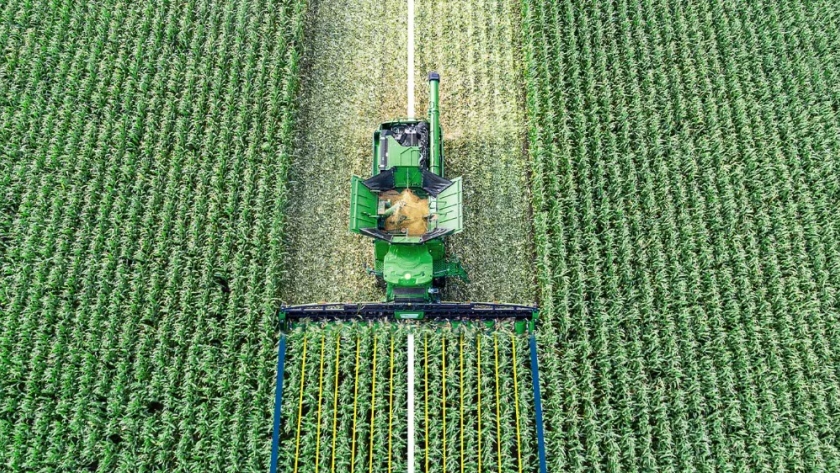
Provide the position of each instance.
(408, 207)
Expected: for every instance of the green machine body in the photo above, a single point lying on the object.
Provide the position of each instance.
(407, 155)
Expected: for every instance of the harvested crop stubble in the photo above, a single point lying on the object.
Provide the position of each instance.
(473, 45)
(143, 156)
(353, 79)
(483, 119)
(685, 159)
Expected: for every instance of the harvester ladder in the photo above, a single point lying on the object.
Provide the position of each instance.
(390, 403)
(516, 405)
(320, 396)
(443, 401)
(426, 397)
(300, 404)
(372, 406)
(461, 392)
(498, 401)
(355, 405)
(478, 350)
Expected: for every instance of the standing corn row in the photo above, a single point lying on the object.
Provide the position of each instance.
(144, 148)
(349, 412)
(684, 163)
(473, 431)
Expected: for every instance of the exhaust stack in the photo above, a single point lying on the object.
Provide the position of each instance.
(434, 124)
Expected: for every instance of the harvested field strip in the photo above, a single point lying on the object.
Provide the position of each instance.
(353, 79)
(345, 96)
(450, 430)
(685, 162)
(143, 156)
(474, 46)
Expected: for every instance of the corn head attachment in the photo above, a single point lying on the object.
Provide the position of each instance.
(408, 208)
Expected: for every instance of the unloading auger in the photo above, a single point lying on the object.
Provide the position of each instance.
(408, 207)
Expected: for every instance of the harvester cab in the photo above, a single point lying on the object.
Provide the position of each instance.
(408, 207)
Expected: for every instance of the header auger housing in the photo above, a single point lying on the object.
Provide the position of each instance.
(408, 207)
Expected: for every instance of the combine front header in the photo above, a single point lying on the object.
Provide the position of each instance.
(408, 207)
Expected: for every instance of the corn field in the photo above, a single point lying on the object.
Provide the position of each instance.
(685, 193)
(660, 176)
(145, 146)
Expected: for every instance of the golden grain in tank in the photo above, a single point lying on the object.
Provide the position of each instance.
(411, 216)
